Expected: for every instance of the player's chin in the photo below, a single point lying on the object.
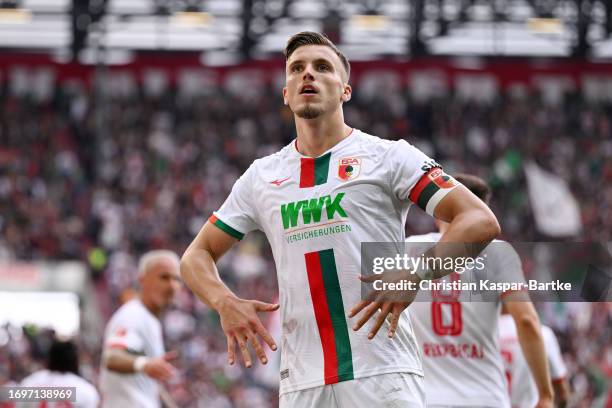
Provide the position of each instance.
(308, 111)
(167, 299)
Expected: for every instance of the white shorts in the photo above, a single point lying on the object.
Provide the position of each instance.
(394, 390)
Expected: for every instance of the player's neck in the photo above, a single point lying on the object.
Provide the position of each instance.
(316, 136)
(150, 305)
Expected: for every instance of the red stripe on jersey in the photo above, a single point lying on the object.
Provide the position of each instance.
(307, 172)
(420, 186)
(117, 346)
(322, 315)
(212, 219)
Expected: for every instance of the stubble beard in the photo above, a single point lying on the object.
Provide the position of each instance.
(309, 112)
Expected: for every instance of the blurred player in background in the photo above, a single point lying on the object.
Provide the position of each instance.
(459, 340)
(521, 386)
(134, 360)
(62, 371)
(317, 200)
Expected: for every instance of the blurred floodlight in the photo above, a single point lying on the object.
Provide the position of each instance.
(367, 22)
(15, 15)
(545, 25)
(191, 19)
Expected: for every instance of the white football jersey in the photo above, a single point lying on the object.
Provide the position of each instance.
(459, 340)
(316, 212)
(135, 329)
(521, 386)
(86, 394)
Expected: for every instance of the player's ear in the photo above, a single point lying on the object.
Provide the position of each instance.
(346, 93)
(285, 96)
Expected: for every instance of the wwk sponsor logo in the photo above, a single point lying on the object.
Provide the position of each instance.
(312, 210)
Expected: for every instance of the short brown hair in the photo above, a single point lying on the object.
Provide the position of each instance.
(476, 185)
(313, 38)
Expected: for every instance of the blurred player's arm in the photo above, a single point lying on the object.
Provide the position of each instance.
(562, 392)
(239, 319)
(121, 361)
(532, 344)
(471, 222)
(558, 370)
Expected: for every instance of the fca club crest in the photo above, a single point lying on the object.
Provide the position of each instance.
(440, 179)
(349, 168)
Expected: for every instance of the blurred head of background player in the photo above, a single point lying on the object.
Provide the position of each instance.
(476, 185)
(317, 75)
(63, 357)
(63, 371)
(159, 277)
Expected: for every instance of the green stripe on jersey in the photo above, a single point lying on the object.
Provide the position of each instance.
(322, 169)
(337, 314)
(223, 226)
(426, 194)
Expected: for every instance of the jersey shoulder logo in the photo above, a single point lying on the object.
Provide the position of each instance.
(278, 182)
(430, 164)
(349, 168)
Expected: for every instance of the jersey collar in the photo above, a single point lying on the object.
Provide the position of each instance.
(334, 147)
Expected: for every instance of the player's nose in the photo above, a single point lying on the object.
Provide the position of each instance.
(308, 72)
(175, 286)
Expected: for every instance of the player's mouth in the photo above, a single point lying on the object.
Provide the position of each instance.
(308, 90)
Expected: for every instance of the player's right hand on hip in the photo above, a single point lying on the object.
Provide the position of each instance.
(159, 368)
(242, 327)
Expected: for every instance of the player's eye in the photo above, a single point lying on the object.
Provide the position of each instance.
(323, 67)
(296, 68)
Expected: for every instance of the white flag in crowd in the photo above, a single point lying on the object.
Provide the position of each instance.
(555, 209)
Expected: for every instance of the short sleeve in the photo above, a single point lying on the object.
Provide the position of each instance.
(418, 178)
(237, 216)
(123, 335)
(557, 367)
(502, 266)
(509, 267)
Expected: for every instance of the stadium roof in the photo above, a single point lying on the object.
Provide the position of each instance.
(229, 30)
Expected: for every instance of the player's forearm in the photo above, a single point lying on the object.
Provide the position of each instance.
(119, 361)
(476, 226)
(562, 392)
(200, 274)
(532, 345)
(466, 236)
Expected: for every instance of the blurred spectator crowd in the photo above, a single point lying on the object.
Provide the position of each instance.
(103, 177)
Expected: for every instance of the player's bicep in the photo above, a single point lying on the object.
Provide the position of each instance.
(118, 360)
(459, 200)
(111, 353)
(213, 239)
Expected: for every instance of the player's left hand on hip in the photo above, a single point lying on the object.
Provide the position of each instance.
(391, 303)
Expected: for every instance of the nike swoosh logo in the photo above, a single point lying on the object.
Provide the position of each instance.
(279, 182)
